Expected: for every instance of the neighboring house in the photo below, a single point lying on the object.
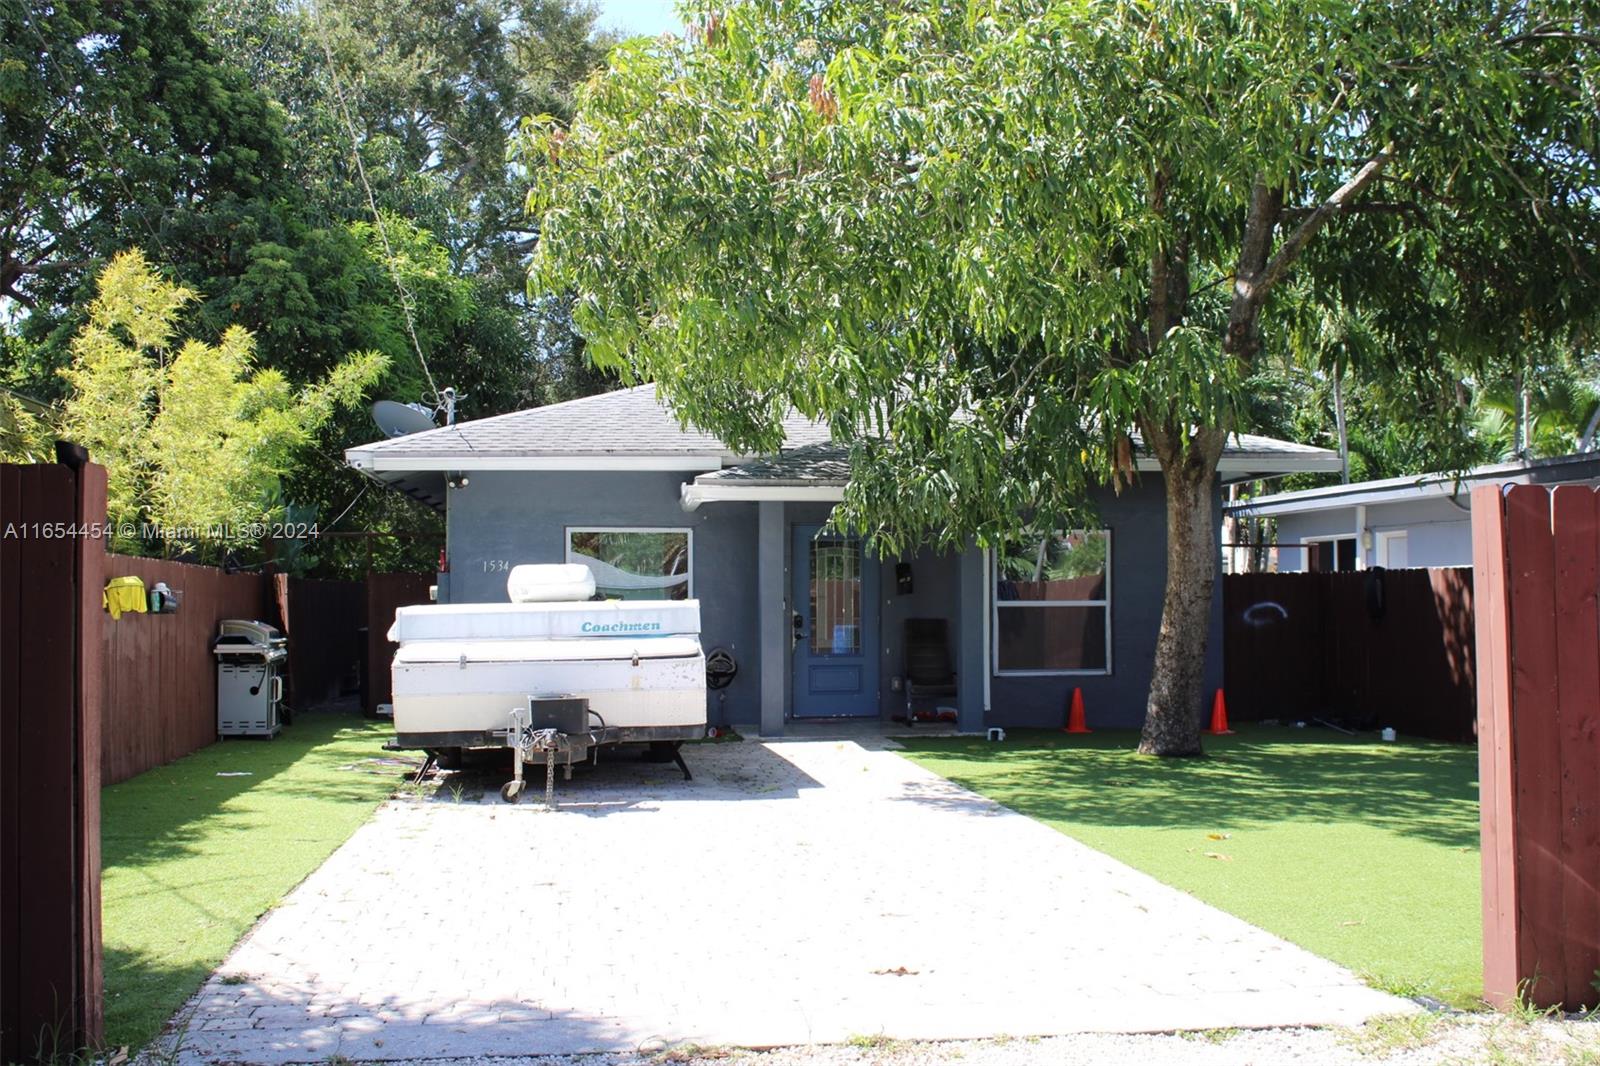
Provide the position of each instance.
(815, 624)
(1421, 520)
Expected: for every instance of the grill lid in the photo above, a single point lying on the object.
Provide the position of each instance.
(245, 635)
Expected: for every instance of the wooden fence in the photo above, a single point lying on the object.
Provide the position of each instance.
(161, 679)
(1373, 648)
(385, 594)
(87, 700)
(323, 621)
(50, 719)
(1537, 557)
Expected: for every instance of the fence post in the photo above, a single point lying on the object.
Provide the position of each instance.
(1536, 558)
(50, 570)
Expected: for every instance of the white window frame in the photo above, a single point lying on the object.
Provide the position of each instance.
(997, 605)
(1331, 538)
(567, 531)
(1386, 539)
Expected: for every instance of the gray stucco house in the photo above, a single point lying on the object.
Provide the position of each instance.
(1415, 521)
(815, 623)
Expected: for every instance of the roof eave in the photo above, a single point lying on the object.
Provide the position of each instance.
(380, 462)
(1245, 465)
(693, 494)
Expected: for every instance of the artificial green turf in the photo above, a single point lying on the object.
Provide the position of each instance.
(1363, 852)
(191, 859)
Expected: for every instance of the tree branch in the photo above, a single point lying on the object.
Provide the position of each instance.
(1373, 207)
(1550, 35)
(1296, 242)
(1266, 205)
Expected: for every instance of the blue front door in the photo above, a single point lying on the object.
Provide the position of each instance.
(835, 626)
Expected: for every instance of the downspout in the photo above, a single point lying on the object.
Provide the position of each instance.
(988, 634)
(1362, 536)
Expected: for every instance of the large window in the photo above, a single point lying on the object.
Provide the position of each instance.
(635, 564)
(1052, 604)
(1330, 555)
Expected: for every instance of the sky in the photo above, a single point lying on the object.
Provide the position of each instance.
(647, 17)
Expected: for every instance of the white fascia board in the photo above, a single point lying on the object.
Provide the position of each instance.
(694, 494)
(1426, 491)
(1261, 464)
(472, 462)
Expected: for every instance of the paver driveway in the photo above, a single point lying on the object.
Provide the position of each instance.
(794, 892)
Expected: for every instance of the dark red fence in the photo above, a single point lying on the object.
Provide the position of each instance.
(1537, 557)
(1372, 649)
(161, 679)
(385, 594)
(50, 721)
(323, 621)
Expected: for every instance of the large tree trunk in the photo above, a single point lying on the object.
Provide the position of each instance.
(1172, 717)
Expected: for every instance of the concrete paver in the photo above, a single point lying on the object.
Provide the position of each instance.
(794, 892)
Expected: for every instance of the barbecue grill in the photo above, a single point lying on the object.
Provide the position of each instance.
(251, 657)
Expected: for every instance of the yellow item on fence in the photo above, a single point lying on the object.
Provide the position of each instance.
(124, 594)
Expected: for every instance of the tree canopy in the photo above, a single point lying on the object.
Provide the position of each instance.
(194, 436)
(1001, 245)
(220, 138)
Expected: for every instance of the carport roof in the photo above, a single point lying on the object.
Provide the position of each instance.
(1583, 468)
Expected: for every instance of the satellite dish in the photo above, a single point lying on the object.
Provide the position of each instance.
(401, 419)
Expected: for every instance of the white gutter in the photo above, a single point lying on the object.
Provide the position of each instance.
(363, 460)
(694, 494)
(1425, 491)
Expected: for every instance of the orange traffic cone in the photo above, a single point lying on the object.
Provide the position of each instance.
(1219, 716)
(1075, 719)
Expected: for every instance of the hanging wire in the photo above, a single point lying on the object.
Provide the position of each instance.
(365, 484)
(406, 303)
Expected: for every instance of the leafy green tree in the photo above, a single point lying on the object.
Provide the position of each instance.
(1540, 410)
(427, 94)
(194, 437)
(1002, 245)
(432, 93)
(26, 430)
(114, 117)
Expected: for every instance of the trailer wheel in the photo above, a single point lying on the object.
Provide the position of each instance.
(511, 791)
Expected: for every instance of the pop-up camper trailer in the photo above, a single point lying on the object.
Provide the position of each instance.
(554, 671)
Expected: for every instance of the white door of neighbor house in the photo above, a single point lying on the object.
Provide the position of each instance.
(1393, 550)
(835, 626)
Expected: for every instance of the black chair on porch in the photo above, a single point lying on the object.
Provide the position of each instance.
(927, 670)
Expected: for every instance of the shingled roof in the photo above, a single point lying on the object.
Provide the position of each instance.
(627, 422)
(630, 429)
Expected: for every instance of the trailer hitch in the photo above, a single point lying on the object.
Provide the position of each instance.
(524, 741)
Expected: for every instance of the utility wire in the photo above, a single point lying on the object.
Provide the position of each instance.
(406, 303)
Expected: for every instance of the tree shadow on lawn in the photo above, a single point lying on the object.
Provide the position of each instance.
(1261, 775)
(191, 859)
(143, 993)
(176, 809)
